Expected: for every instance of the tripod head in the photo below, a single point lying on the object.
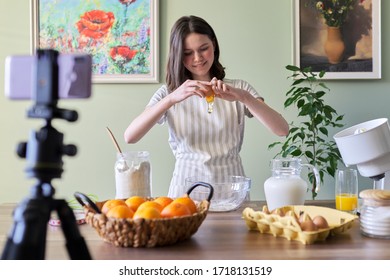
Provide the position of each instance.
(45, 147)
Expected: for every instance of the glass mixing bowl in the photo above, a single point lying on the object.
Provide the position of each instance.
(229, 193)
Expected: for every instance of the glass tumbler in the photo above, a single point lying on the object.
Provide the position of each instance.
(346, 190)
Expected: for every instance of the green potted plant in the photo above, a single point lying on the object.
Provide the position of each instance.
(309, 139)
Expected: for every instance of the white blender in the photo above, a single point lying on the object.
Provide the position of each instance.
(367, 145)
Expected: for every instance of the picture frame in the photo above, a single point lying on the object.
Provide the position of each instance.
(360, 33)
(120, 35)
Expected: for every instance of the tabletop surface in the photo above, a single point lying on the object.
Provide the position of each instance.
(221, 236)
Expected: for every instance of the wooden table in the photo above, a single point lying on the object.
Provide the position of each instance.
(222, 236)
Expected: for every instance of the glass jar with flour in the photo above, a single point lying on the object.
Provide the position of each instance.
(132, 174)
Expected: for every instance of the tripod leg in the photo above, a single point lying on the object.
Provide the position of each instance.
(75, 243)
(27, 238)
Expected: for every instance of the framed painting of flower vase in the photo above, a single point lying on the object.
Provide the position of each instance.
(120, 35)
(342, 37)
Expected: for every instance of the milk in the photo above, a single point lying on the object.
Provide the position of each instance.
(284, 190)
(286, 187)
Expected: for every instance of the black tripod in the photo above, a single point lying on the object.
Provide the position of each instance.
(44, 152)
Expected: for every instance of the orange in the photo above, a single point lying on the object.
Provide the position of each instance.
(111, 203)
(163, 200)
(134, 202)
(152, 204)
(120, 212)
(147, 212)
(175, 209)
(188, 202)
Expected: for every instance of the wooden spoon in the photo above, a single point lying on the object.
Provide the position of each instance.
(117, 147)
(114, 140)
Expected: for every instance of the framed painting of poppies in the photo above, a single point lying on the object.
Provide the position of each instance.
(341, 37)
(121, 35)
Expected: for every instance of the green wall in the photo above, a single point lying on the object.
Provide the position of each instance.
(256, 43)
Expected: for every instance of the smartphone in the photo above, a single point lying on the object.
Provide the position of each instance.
(74, 76)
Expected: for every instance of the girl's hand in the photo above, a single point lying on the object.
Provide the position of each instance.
(261, 111)
(226, 92)
(190, 88)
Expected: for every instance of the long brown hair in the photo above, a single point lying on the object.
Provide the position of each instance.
(176, 72)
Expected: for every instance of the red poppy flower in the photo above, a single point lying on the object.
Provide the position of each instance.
(95, 24)
(123, 53)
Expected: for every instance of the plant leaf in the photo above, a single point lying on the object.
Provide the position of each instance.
(324, 130)
(292, 68)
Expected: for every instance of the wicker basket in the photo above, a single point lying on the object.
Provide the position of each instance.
(144, 232)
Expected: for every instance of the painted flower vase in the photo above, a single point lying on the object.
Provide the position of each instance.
(334, 45)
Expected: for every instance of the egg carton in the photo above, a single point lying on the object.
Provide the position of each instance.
(284, 222)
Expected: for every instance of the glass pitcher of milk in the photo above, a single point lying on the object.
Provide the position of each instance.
(286, 187)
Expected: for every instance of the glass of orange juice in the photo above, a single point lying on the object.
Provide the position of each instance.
(346, 190)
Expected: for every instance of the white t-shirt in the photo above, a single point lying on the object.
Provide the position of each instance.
(205, 144)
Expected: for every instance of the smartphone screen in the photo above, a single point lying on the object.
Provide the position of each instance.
(74, 76)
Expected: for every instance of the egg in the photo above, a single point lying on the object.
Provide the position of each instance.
(320, 222)
(308, 226)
